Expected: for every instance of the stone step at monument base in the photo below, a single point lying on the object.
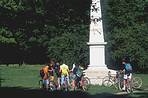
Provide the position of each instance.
(96, 74)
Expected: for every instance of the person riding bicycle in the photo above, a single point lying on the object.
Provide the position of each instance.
(77, 75)
(64, 70)
(127, 69)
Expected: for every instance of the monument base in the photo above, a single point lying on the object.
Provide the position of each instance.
(96, 74)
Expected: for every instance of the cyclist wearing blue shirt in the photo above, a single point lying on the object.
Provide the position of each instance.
(127, 69)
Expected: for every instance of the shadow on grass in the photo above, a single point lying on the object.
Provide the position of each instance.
(1, 80)
(15, 92)
(140, 94)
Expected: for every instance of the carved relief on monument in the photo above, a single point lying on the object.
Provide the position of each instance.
(95, 6)
(96, 21)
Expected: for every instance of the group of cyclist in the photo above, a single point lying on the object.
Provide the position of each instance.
(62, 71)
(54, 71)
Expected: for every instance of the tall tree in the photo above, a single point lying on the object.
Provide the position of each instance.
(35, 25)
(127, 31)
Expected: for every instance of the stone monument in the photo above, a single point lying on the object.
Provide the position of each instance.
(97, 68)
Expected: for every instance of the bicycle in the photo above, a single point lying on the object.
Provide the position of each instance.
(112, 80)
(82, 82)
(128, 85)
(135, 83)
(51, 85)
(85, 83)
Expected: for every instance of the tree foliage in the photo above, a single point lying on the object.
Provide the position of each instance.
(32, 31)
(70, 47)
(127, 31)
(43, 29)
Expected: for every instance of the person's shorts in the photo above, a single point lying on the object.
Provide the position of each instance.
(46, 81)
(128, 76)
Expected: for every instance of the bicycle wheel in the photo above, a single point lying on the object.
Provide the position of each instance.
(116, 84)
(85, 83)
(105, 78)
(136, 82)
(88, 80)
(52, 86)
(107, 83)
(120, 84)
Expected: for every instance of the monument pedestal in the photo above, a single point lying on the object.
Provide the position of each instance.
(97, 69)
(96, 74)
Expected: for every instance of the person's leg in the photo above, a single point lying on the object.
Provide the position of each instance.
(62, 79)
(81, 81)
(43, 83)
(124, 81)
(47, 84)
(74, 82)
(67, 77)
(58, 82)
(129, 77)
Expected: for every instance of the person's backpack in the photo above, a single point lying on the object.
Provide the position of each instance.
(75, 70)
(128, 67)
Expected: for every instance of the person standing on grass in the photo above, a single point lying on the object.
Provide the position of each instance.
(64, 70)
(127, 70)
(44, 72)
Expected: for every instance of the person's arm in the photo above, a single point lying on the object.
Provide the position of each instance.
(73, 66)
(60, 70)
(123, 70)
(51, 69)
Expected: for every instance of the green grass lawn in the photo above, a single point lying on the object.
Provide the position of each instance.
(24, 76)
(144, 78)
(27, 76)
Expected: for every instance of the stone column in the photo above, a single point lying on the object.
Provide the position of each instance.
(97, 69)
